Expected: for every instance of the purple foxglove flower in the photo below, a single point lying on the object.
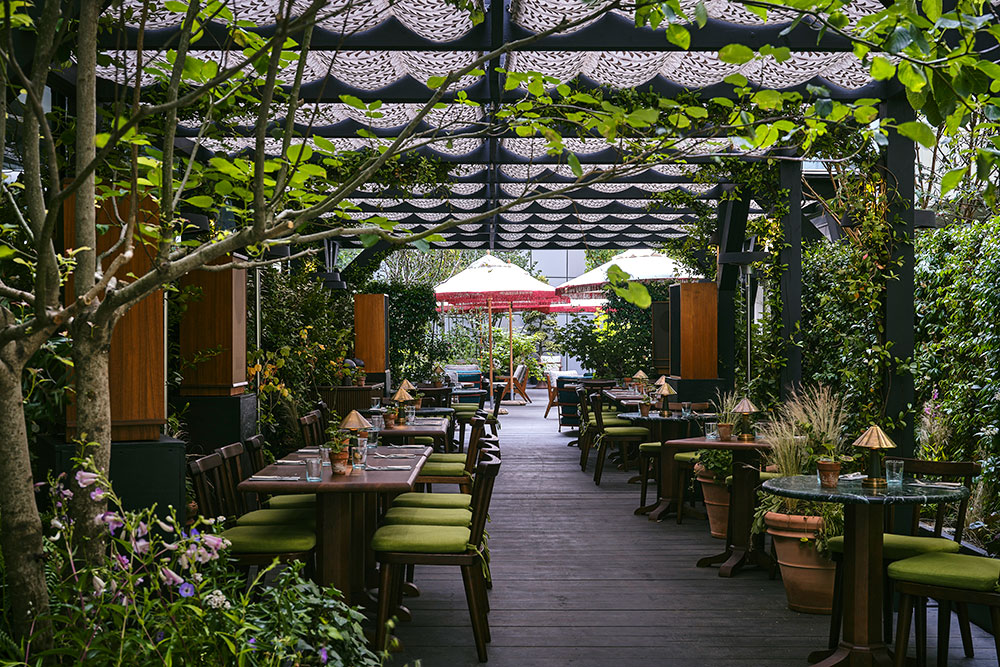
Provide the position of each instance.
(85, 479)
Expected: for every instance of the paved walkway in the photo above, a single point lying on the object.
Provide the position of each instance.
(581, 581)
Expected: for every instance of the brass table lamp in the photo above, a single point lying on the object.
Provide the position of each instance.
(874, 439)
(745, 408)
(666, 390)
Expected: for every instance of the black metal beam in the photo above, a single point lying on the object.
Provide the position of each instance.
(900, 157)
(790, 178)
(732, 225)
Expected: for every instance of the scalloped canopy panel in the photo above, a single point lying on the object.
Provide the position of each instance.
(388, 49)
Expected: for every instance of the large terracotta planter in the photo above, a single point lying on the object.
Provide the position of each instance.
(716, 495)
(808, 576)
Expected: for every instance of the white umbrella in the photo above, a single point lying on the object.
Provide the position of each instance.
(494, 283)
(642, 265)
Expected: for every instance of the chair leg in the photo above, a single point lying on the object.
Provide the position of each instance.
(903, 628)
(475, 613)
(680, 490)
(585, 444)
(644, 460)
(921, 613)
(888, 597)
(602, 450)
(944, 631)
(962, 610)
(837, 612)
(384, 600)
(995, 627)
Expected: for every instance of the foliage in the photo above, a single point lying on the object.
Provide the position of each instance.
(617, 341)
(718, 462)
(166, 592)
(524, 352)
(724, 406)
(818, 415)
(415, 348)
(44, 385)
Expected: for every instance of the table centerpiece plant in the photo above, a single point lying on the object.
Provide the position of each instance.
(725, 407)
(644, 405)
(418, 400)
(711, 471)
(391, 412)
(338, 444)
(806, 429)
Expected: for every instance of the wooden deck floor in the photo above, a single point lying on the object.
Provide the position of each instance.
(581, 581)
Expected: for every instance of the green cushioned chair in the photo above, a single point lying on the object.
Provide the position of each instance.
(425, 440)
(446, 458)
(649, 462)
(952, 580)
(428, 516)
(686, 457)
(650, 447)
(626, 431)
(683, 468)
(270, 539)
(293, 516)
(610, 421)
(445, 500)
(764, 476)
(421, 539)
(442, 469)
(292, 500)
(898, 547)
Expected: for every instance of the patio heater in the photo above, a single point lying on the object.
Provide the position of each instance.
(331, 277)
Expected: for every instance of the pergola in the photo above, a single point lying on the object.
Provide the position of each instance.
(386, 51)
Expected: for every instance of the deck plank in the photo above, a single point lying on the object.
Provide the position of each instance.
(581, 581)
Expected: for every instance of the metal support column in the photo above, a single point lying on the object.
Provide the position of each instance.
(790, 177)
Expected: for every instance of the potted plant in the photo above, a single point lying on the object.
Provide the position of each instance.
(391, 412)
(644, 404)
(437, 377)
(712, 469)
(338, 445)
(807, 428)
(725, 408)
(418, 399)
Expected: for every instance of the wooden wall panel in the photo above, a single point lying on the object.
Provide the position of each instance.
(699, 313)
(136, 358)
(215, 321)
(371, 331)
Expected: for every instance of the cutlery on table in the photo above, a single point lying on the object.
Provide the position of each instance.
(275, 478)
(393, 456)
(389, 468)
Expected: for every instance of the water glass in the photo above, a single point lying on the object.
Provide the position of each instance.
(711, 430)
(359, 454)
(314, 469)
(894, 472)
(376, 401)
(411, 413)
(685, 409)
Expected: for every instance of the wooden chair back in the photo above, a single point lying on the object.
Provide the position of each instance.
(597, 406)
(232, 468)
(207, 478)
(436, 397)
(310, 424)
(701, 407)
(475, 438)
(584, 408)
(594, 383)
(498, 393)
(255, 452)
(324, 416)
(482, 493)
(948, 471)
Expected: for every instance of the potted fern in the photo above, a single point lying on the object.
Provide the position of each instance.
(807, 428)
(337, 444)
(725, 407)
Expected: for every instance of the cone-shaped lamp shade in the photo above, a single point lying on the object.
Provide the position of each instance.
(666, 389)
(662, 381)
(355, 422)
(407, 385)
(640, 376)
(874, 438)
(745, 407)
(438, 370)
(401, 396)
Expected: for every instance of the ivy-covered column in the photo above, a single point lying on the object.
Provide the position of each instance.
(790, 177)
(900, 161)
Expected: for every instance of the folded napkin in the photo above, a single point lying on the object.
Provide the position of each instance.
(393, 456)
(937, 485)
(854, 476)
(309, 450)
(290, 462)
(406, 446)
(390, 468)
(275, 478)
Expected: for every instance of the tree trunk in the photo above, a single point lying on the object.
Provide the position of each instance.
(91, 347)
(20, 528)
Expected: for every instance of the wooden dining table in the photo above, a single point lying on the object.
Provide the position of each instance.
(623, 397)
(741, 547)
(422, 427)
(345, 509)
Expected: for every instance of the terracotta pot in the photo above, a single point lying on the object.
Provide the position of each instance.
(390, 420)
(191, 513)
(808, 576)
(340, 463)
(829, 473)
(644, 409)
(418, 403)
(437, 384)
(725, 431)
(716, 495)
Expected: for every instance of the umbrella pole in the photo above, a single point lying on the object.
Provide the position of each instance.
(489, 322)
(510, 345)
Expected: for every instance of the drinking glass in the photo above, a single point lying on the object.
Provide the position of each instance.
(894, 472)
(378, 423)
(411, 413)
(314, 469)
(376, 401)
(685, 409)
(711, 430)
(359, 454)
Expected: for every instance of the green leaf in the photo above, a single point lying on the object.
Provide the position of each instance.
(101, 139)
(643, 117)
(919, 132)
(368, 240)
(200, 201)
(678, 35)
(175, 6)
(882, 68)
(932, 9)
(951, 180)
(768, 99)
(736, 79)
(735, 54)
(574, 164)
(700, 14)
(298, 153)
(5, 251)
(352, 101)
(911, 77)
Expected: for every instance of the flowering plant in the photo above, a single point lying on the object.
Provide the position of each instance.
(168, 593)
